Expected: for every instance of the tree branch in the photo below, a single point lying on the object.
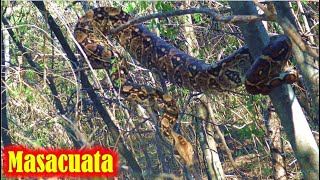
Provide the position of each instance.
(306, 65)
(50, 81)
(292, 32)
(6, 139)
(215, 17)
(289, 29)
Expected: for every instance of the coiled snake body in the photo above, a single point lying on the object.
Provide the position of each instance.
(176, 66)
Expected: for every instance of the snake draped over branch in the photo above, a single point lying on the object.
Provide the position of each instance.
(170, 63)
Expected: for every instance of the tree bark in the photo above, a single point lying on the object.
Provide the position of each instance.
(208, 144)
(4, 62)
(283, 99)
(273, 127)
(307, 65)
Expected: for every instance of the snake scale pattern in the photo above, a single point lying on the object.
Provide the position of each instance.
(152, 52)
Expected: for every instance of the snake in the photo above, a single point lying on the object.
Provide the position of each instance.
(259, 75)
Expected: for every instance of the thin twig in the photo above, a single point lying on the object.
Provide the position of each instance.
(290, 30)
(305, 20)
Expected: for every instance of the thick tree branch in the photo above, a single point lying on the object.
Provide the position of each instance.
(305, 63)
(215, 17)
(6, 139)
(274, 134)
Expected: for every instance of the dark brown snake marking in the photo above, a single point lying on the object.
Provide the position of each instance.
(177, 67)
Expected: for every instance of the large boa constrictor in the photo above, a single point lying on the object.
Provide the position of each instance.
(259, 76)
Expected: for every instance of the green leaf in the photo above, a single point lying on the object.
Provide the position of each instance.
(158, 26)
(158, 5)
(197, 18)
(113, 61)
(112, 70)
(167, 6)
(172, 88)
(163, 6)
(130, 7)
(143, 5)
(117, 83)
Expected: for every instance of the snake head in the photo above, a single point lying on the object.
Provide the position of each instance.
(263, 74)
(279, 49)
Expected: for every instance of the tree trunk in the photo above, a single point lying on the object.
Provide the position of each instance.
(283, 99)
(208, 144)
(273, 127)
(306, 64)
(5, 38)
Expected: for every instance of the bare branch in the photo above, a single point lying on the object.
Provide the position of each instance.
(215, 16)
(290, 30)
(265, 10)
